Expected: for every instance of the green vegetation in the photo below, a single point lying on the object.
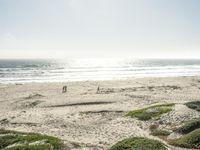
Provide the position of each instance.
(138, 143)
(189, 126)
(30, 147)
(191, 140)
(157, 132)
(160, 133)
(192, 137)
(8, 137)
(153, 127)
(194, 105)
(151, 112)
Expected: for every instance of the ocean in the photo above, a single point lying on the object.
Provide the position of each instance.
(23, 71)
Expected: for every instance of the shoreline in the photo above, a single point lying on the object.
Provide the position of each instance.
(100, 80)
(94, 119)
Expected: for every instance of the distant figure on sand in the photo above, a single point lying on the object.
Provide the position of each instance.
(98, 89)
(64, 90)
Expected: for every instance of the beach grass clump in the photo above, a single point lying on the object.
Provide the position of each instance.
(139, 143)
(160, 132)
(190, 140)
(30, 147)
(193, 105)
(189, 126)
(9, 138)
(153, 127)
(151, 112)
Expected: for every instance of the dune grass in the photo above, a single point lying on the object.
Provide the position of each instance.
(30, 147)
(193, 105)
(138, 143)
(151, 112)
(189, 126)
(8, 137)
(160, 132)
(190, 140)
(153, 127)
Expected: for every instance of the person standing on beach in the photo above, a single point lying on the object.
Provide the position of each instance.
(64, 90)
(98, 89)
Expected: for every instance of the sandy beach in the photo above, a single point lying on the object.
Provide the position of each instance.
(87, 119)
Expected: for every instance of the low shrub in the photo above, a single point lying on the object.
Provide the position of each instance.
(8, 137)
(190, 140)
(189, 126)
(193, 105)
(151, 112)
(160, 133)
(138, 143)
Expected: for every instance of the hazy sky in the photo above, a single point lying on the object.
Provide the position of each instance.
(99, 28)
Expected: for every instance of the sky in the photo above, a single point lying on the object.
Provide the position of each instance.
(99, 28)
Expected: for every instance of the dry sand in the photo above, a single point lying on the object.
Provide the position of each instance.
(85, 119)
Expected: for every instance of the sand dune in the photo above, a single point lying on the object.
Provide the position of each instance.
(87, 119)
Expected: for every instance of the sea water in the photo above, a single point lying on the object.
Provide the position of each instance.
(22, 71)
